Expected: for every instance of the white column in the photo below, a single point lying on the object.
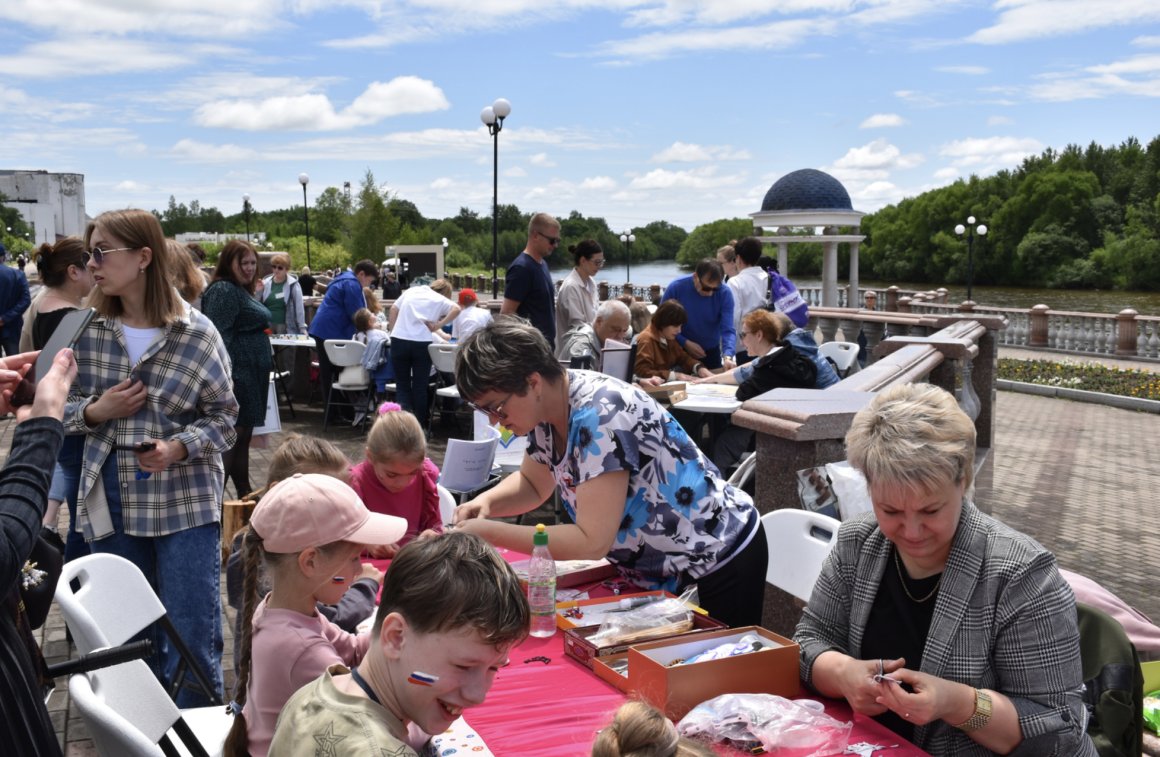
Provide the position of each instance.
(855, 298)
(829, 273)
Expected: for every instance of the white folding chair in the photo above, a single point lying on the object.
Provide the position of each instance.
(443, 360)
(799, 541)
(112, 603)
(842, 354)
(447, 505)
(346, 355)
(128, 714)
(744, 471)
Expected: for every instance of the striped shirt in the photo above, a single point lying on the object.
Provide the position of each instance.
(186, 373)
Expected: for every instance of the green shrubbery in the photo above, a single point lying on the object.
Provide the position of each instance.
(1088, 376)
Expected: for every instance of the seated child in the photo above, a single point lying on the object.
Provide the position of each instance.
(304, 454)
(451, 611)
(309, 529)
(397, 478)
(658, 354)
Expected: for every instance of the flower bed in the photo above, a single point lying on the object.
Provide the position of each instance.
(1092, 377)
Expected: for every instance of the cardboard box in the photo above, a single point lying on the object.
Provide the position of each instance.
(673, 391)
(571, 573)
(676, 690)
(579, 647)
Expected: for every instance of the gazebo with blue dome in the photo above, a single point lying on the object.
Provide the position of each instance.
(812, 198)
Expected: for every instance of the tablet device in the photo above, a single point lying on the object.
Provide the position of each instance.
(67, 332)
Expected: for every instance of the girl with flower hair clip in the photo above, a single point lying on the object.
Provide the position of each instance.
(397, 478)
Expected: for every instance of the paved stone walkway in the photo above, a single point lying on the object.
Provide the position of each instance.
(1077, 477)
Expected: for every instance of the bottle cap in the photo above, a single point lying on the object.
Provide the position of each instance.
(540, 539)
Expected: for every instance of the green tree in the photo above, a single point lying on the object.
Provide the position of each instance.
(373, 227)
(330, 217)
(706, 238)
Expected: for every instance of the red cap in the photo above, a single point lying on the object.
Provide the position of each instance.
(466, 295)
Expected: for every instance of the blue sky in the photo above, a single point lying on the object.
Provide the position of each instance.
(634, 110)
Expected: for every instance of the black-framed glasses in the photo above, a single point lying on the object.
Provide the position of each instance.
(97, 254)
(490, 412)
(551, 240)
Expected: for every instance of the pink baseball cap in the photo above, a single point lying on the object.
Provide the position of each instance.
(310, 510)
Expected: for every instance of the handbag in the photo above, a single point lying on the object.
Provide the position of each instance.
(41, 572)
(786, 299)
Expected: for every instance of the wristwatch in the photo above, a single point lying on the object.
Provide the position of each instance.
(982, 713)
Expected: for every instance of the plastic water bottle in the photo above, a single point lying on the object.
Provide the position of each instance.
(542, 585)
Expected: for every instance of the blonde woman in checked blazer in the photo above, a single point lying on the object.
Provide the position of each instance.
(950, 628)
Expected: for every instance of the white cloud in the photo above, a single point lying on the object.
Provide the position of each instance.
(947, 174)
(1021, 20)
(314, 112)
(515, 172)
(1000, 121)
(46, 144)
(967, 70)
(599, 183)
(1137, 76)
(92, 56)
(188, 19)
(779, 35)
(684, 152)
(192, 151)
(704, 177)
(542, 160)
(882, 120)
(984, 155)
(1147, 41)
(877, 155)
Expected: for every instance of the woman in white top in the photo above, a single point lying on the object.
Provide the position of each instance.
(416, 318)
(577, 301)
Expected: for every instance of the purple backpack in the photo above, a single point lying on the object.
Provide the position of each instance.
(786, 299)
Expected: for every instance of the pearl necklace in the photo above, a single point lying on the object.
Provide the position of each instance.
(902, 578)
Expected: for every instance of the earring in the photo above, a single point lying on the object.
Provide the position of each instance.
(140, 271)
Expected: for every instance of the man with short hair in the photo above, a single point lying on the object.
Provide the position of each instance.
(709, 335)
(612, 322)
(750, 285)
(529, 292)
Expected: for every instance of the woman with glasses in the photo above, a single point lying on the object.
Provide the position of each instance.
(281, 293)
(576, 302)
(639, 490)
(154, 402)
(242, 322)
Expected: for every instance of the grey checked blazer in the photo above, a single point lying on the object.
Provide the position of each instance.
(1004, 619)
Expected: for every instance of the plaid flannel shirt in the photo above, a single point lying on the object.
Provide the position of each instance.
(191, 400)
(1004, 620)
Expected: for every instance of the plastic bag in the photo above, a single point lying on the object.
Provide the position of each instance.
(815, 492)
(786, 299)
(750, 642)
(646, 617)
(749, 720)
(850, 486)
(1152, 711)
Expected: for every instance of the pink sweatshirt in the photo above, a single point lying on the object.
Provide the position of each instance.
(418, 503)
(289, 651)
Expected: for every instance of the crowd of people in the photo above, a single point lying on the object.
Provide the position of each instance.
(953, 630)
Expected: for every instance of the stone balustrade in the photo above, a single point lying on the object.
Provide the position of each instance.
(805, 428)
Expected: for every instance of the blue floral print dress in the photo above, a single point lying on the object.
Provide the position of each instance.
(681, 521)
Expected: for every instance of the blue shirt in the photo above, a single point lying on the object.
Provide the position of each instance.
(530, 284)
(335, 316)
(710, 318)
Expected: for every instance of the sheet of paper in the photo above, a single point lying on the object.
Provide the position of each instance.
(459, 739)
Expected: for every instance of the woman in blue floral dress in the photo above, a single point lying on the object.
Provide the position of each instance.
(640, 491)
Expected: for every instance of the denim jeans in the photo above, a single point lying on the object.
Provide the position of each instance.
(185, 571)
(65, 480)
(412, 364)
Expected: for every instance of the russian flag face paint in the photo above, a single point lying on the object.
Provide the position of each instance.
(422, 679)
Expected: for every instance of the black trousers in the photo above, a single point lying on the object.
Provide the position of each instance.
(735, 592)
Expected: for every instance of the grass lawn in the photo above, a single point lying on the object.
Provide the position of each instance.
(1076, 374)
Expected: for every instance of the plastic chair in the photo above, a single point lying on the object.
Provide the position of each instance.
(799, 541)
(346, 355)
(841, 354)
(112, 603)
(447, 504)
(744, 471)
(128, 714)
(443, 361)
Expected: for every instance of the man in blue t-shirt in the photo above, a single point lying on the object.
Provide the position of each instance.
(529, 292)
(708, 335)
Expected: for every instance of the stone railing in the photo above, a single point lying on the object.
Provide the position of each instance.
(805, 428)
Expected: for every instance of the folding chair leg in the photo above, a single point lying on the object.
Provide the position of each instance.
(178, 643)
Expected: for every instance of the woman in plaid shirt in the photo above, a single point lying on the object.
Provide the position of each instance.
(153, 372)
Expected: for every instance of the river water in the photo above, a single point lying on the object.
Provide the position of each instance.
(1087, 301)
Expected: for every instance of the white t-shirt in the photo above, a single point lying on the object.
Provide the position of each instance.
(138, 340)
(471, 319)
(417, 307)
(750, 291)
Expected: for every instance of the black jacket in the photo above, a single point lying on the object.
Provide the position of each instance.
(785, 367)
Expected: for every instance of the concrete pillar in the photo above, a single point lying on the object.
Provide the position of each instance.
(891, 299)
(1126, 332)
(1038, 320)
(783, 258)
(830, 275)
(855, 300)
(602, 290)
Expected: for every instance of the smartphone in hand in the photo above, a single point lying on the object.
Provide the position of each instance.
(138, 447)
(71, 326)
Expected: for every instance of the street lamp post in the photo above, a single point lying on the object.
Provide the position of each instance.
(493, 116)
(303, 179)
(970, 229)
(446, 244)
(246, 210)
(628, 238)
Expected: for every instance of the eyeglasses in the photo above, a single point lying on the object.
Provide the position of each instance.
(551, 240)
(97, 255)
(278, 267)
(745, 334)
(707, 289)
(599, 263)
(496, 411)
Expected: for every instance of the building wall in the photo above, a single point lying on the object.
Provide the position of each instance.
(54, 203)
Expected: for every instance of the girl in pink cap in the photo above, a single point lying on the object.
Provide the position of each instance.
(309, 530)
